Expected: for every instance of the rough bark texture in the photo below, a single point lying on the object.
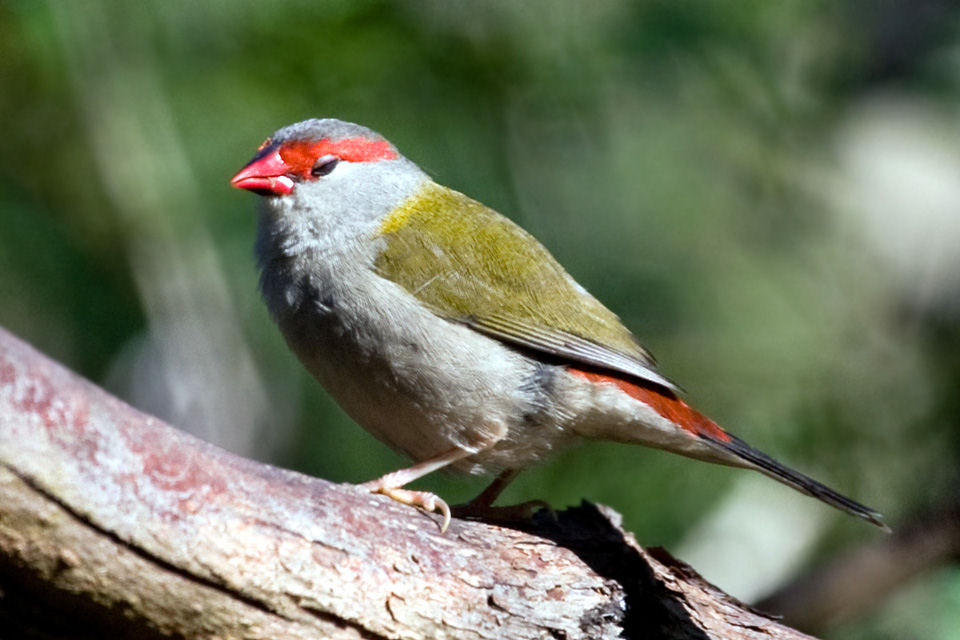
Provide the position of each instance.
(113, 524)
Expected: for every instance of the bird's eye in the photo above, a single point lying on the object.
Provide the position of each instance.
(323, 166)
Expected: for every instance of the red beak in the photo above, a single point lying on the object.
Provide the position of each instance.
(266, 174)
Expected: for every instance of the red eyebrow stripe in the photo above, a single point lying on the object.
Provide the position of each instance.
(667, 405)
(356, 149)
(299, 156)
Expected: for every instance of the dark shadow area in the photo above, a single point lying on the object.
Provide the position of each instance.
(648, 608)
(31, 610)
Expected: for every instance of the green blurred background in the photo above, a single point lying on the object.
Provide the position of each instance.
(768, 193)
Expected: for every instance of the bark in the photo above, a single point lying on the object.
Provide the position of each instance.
(113, 524)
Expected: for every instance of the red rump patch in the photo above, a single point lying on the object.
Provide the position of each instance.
(665, 403)
(300, 156)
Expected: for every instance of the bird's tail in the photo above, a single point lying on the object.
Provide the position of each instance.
(760, 461)
(716, 445)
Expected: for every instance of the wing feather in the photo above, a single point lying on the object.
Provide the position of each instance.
(471, 265)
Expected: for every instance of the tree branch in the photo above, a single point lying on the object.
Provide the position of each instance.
(115, 524)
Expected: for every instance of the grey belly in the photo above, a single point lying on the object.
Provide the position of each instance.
(425, 396)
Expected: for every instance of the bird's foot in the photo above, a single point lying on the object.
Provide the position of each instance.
(511, 513)
(427, 501)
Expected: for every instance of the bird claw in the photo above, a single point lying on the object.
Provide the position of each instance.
(425, 500)
(511, 513)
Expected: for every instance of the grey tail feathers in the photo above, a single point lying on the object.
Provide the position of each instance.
(804, 484)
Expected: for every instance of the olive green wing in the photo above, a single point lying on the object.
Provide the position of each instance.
(471, 265)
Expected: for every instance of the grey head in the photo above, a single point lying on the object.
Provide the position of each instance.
(326, 186)
(329, 171)
(332, 129)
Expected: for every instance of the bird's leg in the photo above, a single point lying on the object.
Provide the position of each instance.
(489, 495)
(482, 506)
(391, 484)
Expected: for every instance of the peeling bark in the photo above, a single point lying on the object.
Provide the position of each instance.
(114, 524)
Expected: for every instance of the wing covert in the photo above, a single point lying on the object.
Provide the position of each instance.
(471, 265)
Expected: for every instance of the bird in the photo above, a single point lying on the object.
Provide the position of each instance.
(449, 332)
